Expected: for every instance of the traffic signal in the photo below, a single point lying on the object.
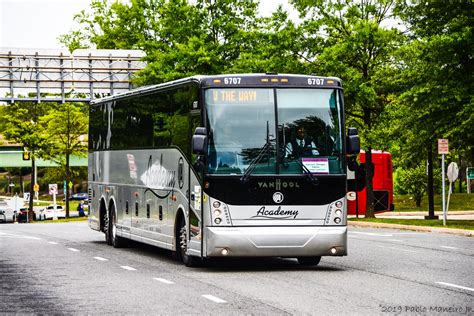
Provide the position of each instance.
(26, 155)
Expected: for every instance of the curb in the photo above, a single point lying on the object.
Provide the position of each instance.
(395, 214)
(459, 232)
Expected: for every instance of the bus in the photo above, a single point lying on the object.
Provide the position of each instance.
(241, 165)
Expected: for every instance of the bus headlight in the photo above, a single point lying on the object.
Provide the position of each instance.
(219, 213)
(337, 220)
(338, 212)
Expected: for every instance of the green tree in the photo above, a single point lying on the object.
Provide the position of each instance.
(412, 181)
(64, 126)
(179, 38)
(355, 46)
(20, 124)
(436, 69)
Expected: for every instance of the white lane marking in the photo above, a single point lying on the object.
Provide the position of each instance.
(163, 280)
(213, 298)
(73, 249)
(397, 240)
(18, 236)
(399, 249)
(447, 247)
(458, 286)
(101, 259)
(52, 242)
(372, 234)
(128, 268)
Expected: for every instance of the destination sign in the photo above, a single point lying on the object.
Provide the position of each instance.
(244, 96)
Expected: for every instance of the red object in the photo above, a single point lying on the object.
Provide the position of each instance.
(382, 183)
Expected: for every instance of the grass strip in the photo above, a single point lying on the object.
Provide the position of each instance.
(458, 224)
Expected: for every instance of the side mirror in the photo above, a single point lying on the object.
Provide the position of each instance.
(199, 143)
(352, 141)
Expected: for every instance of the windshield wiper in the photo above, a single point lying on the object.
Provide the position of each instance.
(254, 162)
(306, 171)
(263, 151)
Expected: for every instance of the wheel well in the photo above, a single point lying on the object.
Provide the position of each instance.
(102, 211)
(177, 224)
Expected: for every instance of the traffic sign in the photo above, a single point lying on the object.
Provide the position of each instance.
(53, 189)
(26, 196)
(36, 187)
(443, 146)
(453, 172)
(470, 173)
(26, 155)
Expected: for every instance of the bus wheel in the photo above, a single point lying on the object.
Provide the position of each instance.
(107, 228)
(189, 261)
(116, 241)
(309, 261)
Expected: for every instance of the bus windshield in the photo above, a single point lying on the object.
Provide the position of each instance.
(274, 131)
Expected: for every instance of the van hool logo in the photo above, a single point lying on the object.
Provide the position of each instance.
(278, 197)
(277, 213)
(278, 184)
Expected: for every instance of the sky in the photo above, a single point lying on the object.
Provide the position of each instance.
(39, 23)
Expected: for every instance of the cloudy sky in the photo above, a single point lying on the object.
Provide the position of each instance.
(39, 23)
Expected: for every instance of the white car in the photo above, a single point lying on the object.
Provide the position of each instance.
(48, 212)
(7, 214)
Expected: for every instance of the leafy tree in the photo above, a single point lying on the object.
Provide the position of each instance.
(64, 126)
(412, 181)
(20, 124)
(357, 48)
(436, 75)
(179, 38)
(277, 45)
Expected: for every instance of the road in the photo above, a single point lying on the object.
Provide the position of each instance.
(66, 268)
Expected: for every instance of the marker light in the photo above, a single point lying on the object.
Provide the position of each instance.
(218, 220)
(333, 250)
(337, 220)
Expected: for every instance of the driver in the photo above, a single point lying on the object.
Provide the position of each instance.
(301, 145)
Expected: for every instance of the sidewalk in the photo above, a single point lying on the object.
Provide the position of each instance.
(461, 215)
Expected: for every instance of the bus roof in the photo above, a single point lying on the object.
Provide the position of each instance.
(235, 80)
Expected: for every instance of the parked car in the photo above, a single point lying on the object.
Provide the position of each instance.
(79, 196)
(7, 214)
(48, 212)
(22, 215)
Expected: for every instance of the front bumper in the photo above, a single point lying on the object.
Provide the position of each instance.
(276, 241)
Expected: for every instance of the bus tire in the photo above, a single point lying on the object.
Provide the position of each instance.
(309, 261)
(116, 241)
(107, 228)
(182, 243)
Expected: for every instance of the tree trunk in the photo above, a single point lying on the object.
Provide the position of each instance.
(22, 191)
(67, 186)
(369, 171)
(32, 189)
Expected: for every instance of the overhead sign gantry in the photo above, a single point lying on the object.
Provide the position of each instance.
(56, 76)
